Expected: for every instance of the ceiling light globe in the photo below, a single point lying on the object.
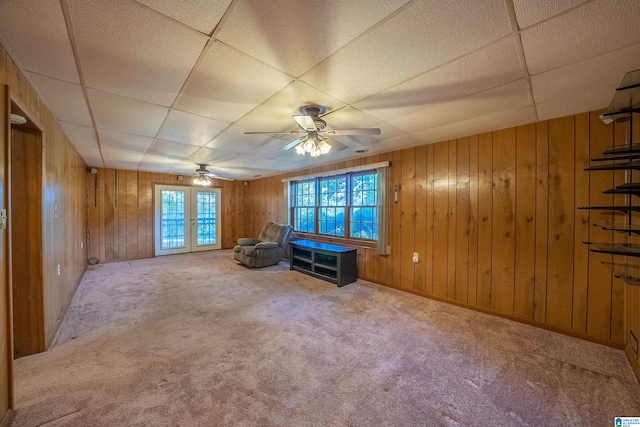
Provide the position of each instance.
(300, 149)
(309, 146)
(324, 147)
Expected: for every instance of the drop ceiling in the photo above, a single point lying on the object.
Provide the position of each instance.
(160, 85)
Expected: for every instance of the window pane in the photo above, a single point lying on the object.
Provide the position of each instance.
(172, 223)
(363, 223)
(206, 218)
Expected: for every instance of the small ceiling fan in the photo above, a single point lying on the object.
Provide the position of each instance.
(315, 138)
(203, 177)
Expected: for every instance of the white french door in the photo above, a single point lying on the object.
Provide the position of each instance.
(187, 219)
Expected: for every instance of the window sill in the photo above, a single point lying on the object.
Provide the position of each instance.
(358, 243)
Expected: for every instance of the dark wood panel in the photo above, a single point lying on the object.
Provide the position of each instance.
(581, 251)
(407, 218)
(430, 209)
(451, 221)
(525, 221)
(440, 217)
(503, 246)
(462, 220)
(472, 298)
(542, 221)
(561, 222)
(485, 218)
(421, 224)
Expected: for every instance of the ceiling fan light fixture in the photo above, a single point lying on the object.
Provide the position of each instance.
(201, 177)
(300, 149)
(309, 145)
(324, 147)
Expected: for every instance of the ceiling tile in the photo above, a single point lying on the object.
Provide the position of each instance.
(601, 71)
(124, 141)
(397, 143)
(234, 139)
(66, 100)
(274, 115)
(91, 155)
(80, 135)
(189, 128)
(511, 96)
(153, 163)
(202, 15)
(530, 12)
(491, 66)
(210, 156)
(127, 115)
(227, 84)
(478, 125)
(176, 150)
(121, 159)
(130, 50)
(294, 35)
(154, 167)
(240, 174)
(576, 103)
(588, 31)
(35, 32)
(418, 38)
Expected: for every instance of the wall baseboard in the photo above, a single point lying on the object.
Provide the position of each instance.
(573, 334)
(8, 417)
(54, 331)
(633, 362)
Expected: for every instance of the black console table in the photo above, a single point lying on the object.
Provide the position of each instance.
(333, 263)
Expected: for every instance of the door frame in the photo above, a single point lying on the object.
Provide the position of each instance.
(11, 97)
(219, 206)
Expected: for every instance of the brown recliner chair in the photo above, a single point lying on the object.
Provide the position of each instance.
(267, 249)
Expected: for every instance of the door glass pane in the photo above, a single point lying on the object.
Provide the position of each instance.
(206, 218)
(172, 224)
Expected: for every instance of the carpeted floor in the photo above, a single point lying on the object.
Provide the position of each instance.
(196, 339)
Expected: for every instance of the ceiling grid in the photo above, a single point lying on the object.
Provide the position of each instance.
(161, 85)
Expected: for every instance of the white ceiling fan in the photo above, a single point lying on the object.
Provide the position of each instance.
(204, 178)
(315, 138)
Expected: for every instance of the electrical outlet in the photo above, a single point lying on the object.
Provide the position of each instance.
(415, 257)
(58, 269)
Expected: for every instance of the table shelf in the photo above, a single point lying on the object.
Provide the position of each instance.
(333, 263)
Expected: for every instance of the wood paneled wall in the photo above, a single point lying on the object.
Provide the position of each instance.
(64, 215)
(121, 215)
(494, 218)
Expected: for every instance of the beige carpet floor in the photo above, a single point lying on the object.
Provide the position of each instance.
(196, 339)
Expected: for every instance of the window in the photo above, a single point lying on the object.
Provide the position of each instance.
(333, 201)
(304, 212)
(364, 211)
(342, 206)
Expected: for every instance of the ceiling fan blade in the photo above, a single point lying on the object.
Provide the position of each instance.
(362, 131)
(338, 146)
(213, 176)
(293, 132)
(305, 122)
(292, 144)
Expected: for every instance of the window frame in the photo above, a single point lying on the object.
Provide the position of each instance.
(348, 206)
